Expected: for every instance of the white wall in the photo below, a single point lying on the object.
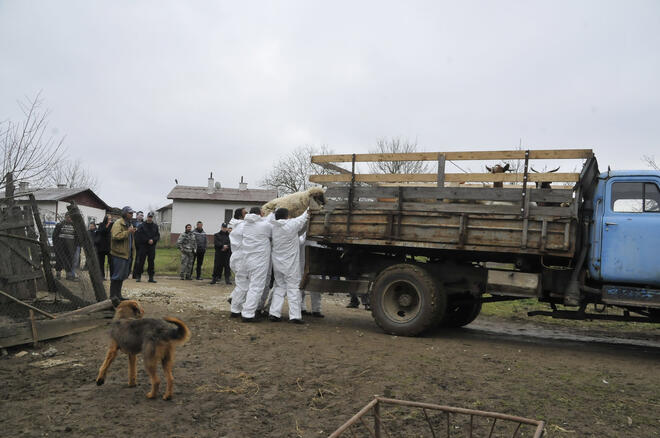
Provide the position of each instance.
(211, 213)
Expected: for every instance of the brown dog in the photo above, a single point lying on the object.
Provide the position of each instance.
(154, 338)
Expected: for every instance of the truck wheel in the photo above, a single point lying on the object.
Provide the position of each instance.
(459, 315)
(406, 300)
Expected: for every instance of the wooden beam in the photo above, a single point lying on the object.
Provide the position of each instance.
(449, 177)
(21, 333)
(334, 167)
(96, 307)
(539, 154)
(93, 266)
(27, 305)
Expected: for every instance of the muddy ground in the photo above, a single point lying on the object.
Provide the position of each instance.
(282, 380)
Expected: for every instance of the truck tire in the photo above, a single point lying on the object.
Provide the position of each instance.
(406, 300)
(460, 315)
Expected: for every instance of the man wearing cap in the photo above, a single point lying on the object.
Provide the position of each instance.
(146, 237)
(122, 250)
(222, 254)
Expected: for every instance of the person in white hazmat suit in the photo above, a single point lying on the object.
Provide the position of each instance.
(239, 214)
(255, 246)
(314, 297)
(286, 264)
(237, 265)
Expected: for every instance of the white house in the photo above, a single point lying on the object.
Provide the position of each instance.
(212, 205)
(52, 203)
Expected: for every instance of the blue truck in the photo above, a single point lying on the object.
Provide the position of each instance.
(585, 243)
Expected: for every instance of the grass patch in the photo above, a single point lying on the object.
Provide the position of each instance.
(518, 309)
(168, 262)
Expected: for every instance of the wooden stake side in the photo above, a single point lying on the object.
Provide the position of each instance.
(448, 177)
(538, 154)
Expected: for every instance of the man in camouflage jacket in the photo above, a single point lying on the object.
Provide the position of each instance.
(187, 244)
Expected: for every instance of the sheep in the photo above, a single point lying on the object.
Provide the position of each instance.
(297, 203)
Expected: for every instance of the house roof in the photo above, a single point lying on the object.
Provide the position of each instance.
(64, 194)
(165, 207)
(201, 194)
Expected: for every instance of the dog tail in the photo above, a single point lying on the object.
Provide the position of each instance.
(181, 334)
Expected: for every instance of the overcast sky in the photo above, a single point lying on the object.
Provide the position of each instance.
(150, 91)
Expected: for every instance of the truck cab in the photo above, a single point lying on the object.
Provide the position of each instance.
(625, 231)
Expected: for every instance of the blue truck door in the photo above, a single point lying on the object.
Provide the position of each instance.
(631, 231)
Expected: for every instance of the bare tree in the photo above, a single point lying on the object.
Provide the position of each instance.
(650, 161)
(72, 174)
(291, 173)
(396, 145)
(28, 153)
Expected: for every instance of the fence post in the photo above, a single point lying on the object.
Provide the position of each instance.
(43, 243)
(377, 420)
(90, 254)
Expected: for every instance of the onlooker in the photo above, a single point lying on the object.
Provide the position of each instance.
(102, 243)
(137, 223)
(187, 244)
(146, 237)
(222, 254)
(200, 236)
(65, 244)
(122, 250)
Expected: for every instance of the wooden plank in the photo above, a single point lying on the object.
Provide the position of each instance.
(539, 154)
(27, 305)
(43, 244)
(96, 307)
(87, 245)
(441, 170)
(450, 177)
(21, 333)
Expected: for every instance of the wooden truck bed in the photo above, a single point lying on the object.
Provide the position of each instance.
(516, 219)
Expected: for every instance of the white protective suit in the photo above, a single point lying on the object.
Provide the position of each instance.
(237, 265)
(315, 297)
(257, 233)
(286, 265)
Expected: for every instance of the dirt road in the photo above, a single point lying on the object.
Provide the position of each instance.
(278, 379)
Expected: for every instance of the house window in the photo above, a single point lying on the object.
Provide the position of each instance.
(228, 214)
(635, 197)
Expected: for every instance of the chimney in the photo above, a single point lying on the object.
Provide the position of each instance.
(23, 186)
(211, 187)
(242, 185)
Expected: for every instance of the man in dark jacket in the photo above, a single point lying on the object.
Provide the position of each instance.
(222, 255)
(102, 243)
(146, 237)
(65, 243)
(200, 237)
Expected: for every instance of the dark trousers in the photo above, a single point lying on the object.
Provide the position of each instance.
(102, 256)
(221, 264)
(199, 257)
(147, 253)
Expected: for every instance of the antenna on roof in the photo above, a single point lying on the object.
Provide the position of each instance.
(176, 181)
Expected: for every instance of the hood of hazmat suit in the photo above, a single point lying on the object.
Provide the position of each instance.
(286, 243)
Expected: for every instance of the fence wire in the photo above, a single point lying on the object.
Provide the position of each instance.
(68, 265)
